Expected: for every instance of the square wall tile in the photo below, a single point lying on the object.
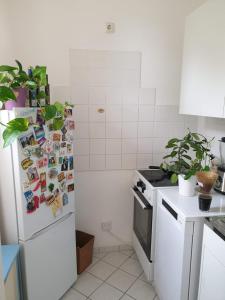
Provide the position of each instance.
(131, 96)
(81, 131)
(81, 113)
(59, 93)
(159, 145)
(157, 159)
(130, 78)
(97, 95)
(129, 161)
(144, 161)
(95, 115)
(79, 58)
(147, 96)
(113, 146)
(145, 145)
(129, 146)
(79, 95)
(168, 129)
(80, 76)
(82, 147)
(146, 113)
(97, 162)
(97, 130)
(130, 130)
(97, 146)
(114, 96)
(113, 113)
(113, 162)
(130, 113)
(81, 163)
(113, 130)
(168, 113)
(145, 129)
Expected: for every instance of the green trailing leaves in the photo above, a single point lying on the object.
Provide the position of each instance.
(6, 94)
(13, 129)
(5, 68)
(58, 123)
(174, 178)
(49, 112)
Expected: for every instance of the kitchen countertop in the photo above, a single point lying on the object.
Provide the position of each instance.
(188, 206)
(9, 255)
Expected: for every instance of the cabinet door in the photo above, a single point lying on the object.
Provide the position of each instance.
(203, 74)
(212, 273)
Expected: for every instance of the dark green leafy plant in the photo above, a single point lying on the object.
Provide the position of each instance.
(187, 156)
(15, 127)
(15, 77)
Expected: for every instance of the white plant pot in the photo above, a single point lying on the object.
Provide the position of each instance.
(187, 187)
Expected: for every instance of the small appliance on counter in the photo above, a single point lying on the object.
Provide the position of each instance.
(220, 183)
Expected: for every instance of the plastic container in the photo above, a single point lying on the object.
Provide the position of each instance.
(204, 201)
(85, 243)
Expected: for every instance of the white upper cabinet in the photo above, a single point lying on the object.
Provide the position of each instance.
(203, 72)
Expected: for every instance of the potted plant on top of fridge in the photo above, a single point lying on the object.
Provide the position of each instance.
(15, 84)
(188, 155)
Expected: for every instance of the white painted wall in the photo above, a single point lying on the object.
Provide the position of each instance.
(44, 31)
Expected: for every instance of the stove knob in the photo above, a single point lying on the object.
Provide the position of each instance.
(140, 184)
(143, 188)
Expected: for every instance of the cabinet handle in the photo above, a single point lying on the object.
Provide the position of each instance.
(169, 208)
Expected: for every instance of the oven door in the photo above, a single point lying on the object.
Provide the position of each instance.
(142, 224)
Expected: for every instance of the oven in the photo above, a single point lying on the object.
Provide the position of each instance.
(143, 219)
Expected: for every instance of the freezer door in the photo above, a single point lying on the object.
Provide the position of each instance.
(49, 261)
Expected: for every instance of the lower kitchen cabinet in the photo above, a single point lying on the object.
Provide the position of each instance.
(212, 273)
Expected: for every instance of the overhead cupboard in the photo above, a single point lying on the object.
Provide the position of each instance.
(203, 71)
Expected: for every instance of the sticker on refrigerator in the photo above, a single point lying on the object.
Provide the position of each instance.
(56, 205)
(62, 185)
(51, 187)
(26, 163)
(56, 137)
(42, 198)
(56, 147)
(64, 130)
(40, 120)
(68, 112)
(49, 199)
(42, 163)
(69, 148)
(71, 125)
(63, 137)
(48, 147)
(65, 199)
(52, 161)
(43, 182)
(32, 201)
(64, 166)
(32, 175)
(70, 187)
(69, 176)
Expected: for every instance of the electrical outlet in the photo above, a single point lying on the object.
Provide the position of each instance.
(110, 27)
(106, 226)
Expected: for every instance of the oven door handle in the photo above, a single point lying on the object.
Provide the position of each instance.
(144, 203)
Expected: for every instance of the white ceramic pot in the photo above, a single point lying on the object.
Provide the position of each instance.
(187, 187)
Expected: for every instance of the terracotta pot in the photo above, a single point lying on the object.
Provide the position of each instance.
(21, 97)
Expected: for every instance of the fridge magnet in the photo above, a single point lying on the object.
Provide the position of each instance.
(64, 130)
(37, 186)
(62, 185)
(65, 199)
(63, 144)
(69, 176)
(39, 131)
(31, 201)
(43, 182)
(30, 120)
(42, 163)
(64, 166)
(50, 126)
(26, 185)
(60, 160)
(71, 125)
(49, 199)
(68, 112)
(32, 175)
(40, 120)
(48, 147)
(56, 205)
(56, 193)
(69, 148)
(38, 152)
(27, 140)
(62, 151)
(70, 187)
(63, 137)
(52, 173)
(71, 162)
(61, 176)
(26, 163)
(42, 198)
(52, 160)
(56, 137)
(41, 141)
(69, 137)
(51, 187)
(56, 146)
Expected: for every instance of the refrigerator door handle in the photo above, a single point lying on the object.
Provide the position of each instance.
(38, 233)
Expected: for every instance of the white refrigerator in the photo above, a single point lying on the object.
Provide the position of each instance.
(37, 204)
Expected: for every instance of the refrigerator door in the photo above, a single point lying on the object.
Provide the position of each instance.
(48, 259)
(34, 173)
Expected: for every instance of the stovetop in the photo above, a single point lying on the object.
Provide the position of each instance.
(157, 178)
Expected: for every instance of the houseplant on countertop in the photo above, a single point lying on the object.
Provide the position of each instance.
(187, 156)
(15, 84)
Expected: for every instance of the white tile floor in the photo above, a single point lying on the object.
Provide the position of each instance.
(112, 276)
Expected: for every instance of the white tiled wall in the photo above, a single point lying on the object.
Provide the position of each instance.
(130, 131)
